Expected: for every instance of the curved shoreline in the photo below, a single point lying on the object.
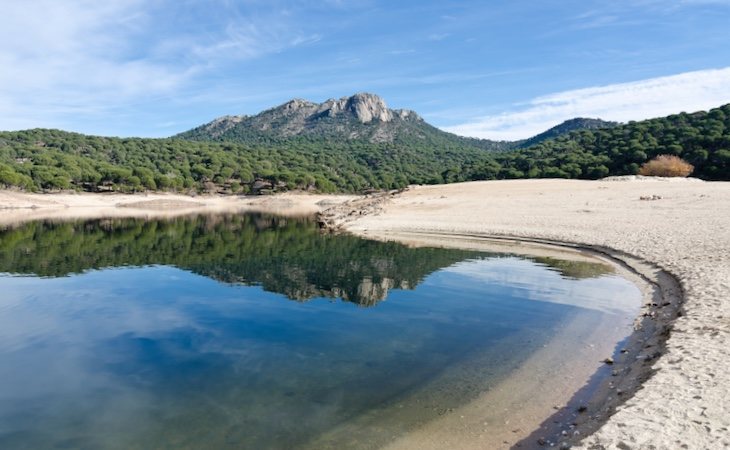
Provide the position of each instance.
(611, 385)
(685, 403)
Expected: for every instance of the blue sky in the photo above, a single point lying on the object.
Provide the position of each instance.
(501, 70)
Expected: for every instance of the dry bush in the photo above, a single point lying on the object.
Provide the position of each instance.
(666, 166)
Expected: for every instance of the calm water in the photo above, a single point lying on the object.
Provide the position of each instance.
(259, 332)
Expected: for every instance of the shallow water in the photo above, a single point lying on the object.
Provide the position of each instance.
(259, 332)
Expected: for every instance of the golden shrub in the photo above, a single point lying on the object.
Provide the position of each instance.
(666, 166)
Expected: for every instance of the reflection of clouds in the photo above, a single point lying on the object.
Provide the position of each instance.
(73, 312)
(608, 294)
(55, 344)
(100, 354)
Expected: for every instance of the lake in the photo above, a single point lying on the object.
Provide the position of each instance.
(257, 331)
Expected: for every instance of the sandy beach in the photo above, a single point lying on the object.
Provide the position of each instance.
(653, 226)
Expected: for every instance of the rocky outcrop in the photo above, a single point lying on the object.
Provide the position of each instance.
(360, 116)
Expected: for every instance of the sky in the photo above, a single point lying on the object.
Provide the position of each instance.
(497, 70)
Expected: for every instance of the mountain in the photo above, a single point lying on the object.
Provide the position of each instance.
(353, 144)
(362, 117)
(579, 123)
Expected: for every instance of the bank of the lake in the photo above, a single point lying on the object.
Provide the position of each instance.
(18, 206)
(679, 226)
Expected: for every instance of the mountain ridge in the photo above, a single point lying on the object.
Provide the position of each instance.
(362, 116)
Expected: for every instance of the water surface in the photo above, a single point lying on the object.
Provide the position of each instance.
(252, 331)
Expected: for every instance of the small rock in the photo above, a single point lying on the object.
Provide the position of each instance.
(608, 360)
(541, 441)
(582, 408)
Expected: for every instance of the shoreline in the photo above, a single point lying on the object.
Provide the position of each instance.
(598, 389)
(682, 233)
(17, 207)
(681, 230)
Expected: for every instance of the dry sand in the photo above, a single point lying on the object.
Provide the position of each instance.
(681, 226)
(19, 206)
(684, 229)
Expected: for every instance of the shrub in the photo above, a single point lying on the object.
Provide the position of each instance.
(666, 166)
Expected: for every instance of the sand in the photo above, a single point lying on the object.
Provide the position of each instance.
(18, 206)
(681, 226)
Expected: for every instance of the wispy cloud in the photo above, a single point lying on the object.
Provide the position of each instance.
(81, 59)
(68, 58)
(622, 102)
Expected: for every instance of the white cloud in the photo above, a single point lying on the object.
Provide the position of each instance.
(71, 57)
(655, 97)
(67, 62)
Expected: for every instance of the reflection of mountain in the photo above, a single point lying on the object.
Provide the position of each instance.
(282, 255)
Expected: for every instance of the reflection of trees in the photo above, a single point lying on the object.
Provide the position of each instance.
(282, 255)
(575, 269)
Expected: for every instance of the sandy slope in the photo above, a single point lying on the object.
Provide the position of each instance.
(685, 229)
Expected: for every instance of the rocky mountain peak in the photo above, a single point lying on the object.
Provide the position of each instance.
(364, 106)
(367, 107)
(359, 116)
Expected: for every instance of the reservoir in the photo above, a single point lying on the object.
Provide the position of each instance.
(257, 331)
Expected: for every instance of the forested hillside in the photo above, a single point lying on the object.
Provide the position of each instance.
(701, 138)
(50, 160)
(47, 160)
(577, 124)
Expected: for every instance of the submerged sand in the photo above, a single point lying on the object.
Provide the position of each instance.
(682, 227)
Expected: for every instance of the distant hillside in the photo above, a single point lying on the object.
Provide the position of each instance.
(701, 138)
(577, 124)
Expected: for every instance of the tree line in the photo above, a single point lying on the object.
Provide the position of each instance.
(50, 160)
